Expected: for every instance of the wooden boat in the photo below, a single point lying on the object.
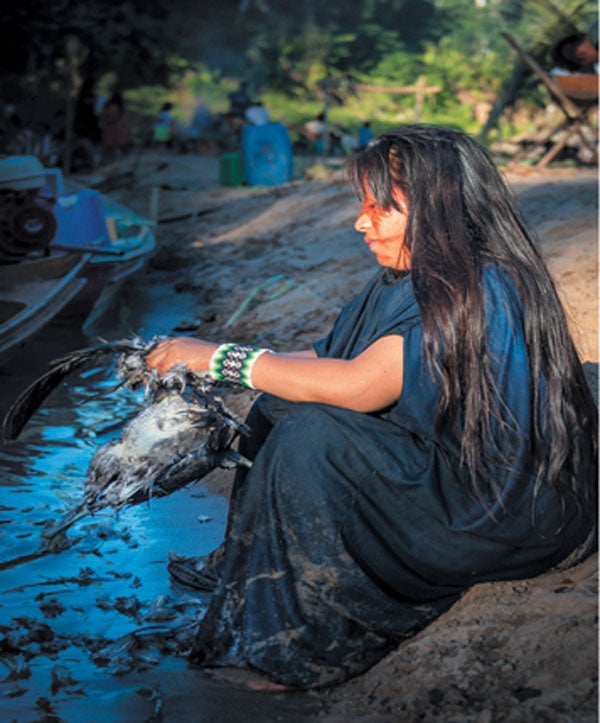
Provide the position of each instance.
(40, 218)
(118, 240)
(33, 292)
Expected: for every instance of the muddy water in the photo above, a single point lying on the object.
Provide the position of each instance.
(83, 632)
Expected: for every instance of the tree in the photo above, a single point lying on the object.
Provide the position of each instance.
(292, 46)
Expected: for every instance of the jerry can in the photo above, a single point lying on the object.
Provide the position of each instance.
(231, 169)
(267, 153)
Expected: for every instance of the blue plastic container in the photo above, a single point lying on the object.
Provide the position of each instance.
(81, 221)
(267, 154)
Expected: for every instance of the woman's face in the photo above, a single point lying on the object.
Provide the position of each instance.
(385, 231)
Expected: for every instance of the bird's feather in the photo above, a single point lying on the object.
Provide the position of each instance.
(30, 400)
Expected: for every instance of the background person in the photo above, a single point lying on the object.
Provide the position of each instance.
(365, 135)
(256, 114)
(239, 100)
(116, 137)
(575, 53)
(164, 128)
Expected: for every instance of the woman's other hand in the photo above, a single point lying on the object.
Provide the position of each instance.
(194, 353)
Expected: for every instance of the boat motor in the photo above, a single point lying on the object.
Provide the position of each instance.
(27, 223)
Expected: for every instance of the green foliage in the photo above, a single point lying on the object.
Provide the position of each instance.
(454, 70)
(297, 56)
(398, 66)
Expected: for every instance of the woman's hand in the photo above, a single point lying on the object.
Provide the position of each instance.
(369, 382)
(194, 353)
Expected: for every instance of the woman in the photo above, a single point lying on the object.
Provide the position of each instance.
(442, 435)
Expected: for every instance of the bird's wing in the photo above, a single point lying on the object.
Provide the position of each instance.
(30, 400)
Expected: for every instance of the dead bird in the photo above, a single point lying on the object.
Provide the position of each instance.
(183, 432)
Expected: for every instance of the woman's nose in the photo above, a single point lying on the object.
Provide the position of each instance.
(362, 223)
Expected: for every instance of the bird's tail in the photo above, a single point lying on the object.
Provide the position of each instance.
(232, 458)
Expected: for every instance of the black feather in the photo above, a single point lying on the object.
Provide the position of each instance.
(29, 401)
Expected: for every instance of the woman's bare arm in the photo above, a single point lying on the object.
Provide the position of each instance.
(370, 381)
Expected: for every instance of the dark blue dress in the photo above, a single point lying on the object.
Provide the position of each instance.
(353, 531)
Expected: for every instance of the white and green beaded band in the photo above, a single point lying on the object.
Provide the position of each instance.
(234, 363)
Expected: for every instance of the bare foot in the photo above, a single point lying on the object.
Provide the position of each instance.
(264, 684)
(248, 679)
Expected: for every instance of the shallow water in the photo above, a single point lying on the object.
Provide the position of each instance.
(68, 619)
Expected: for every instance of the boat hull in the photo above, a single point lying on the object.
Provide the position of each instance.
(33, 293)
(105, 276)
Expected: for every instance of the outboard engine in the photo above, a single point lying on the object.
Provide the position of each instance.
(26, 220)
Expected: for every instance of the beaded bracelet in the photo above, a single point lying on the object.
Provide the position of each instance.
(233, 363)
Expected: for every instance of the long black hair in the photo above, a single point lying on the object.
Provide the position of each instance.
(461, 218)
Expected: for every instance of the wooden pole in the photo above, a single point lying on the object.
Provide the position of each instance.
(419, 96)
(326, 144)
(399, 89)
